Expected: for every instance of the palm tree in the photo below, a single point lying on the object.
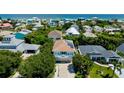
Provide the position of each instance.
(117, 66)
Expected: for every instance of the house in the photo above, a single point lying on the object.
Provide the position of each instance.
(72, 31)
(22, 33)
(53, 22)
(63, 50)
(37, 26)
(120, 48)
(75, 26)
(33, 21)
(87, 28)
(96, 52)
(55, 35)
(9, 42)
(5, 26)
(98, 29)
(89, 34)
(111, 29)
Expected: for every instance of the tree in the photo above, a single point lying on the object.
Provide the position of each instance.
(116, 66)
(36, 37)
(67, 25)
(9, 61)
(82, 64)
(41, 65)
(29, 27)
(1, 38)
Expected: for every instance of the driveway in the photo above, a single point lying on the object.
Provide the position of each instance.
(118, 73)
(64, 70)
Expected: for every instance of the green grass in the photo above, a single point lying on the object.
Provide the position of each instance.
(105, 71)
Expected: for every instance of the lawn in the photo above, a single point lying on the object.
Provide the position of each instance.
(106, 72)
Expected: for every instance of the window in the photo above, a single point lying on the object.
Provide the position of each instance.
(63, 53)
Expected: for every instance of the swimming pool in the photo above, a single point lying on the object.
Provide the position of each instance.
(19, 35)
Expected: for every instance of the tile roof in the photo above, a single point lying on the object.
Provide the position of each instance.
(63, 45)
(56, 32)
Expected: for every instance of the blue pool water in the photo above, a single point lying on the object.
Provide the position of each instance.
(19, 35)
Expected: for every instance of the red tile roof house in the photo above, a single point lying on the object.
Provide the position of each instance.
(5, 26)
(63, 50)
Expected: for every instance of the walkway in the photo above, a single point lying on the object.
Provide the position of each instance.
(101, 64)
(64, 70)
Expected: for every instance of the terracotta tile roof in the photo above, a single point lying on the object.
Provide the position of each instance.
(6, 25)
(62, 45)
(56, 32)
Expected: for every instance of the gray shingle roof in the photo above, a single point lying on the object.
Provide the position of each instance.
(121, 48)
(110, 54)
(31, 47)
(89, 49)
(84, 49)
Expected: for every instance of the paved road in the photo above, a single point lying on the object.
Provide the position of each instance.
(64, 70)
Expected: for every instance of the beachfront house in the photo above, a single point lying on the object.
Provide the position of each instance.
(55, 35)
(9, 42)
(33, 21)
(96, 53)
(72, 31)
(63, 50)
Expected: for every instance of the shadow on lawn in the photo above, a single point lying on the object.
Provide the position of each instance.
(106, 76)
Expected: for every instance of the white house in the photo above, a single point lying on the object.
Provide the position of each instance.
(72, 31)
(89, 34)
(9, 42)
(98, 29)
(33, 21)
(111, 29)
(87, 28)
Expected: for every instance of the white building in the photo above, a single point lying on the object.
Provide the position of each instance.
(111, 29)
(11, 43)
(72, 31)
(87, 28)
(98, 29)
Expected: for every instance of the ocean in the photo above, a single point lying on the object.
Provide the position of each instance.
(70, 16)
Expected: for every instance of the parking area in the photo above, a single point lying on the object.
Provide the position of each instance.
(64, 70)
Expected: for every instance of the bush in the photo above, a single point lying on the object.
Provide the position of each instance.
(1, 38)
(9, 61)
(41, 65)
(82, 64)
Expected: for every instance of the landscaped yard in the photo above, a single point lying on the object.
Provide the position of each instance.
(101, 72)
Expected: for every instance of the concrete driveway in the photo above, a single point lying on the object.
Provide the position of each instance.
(64, 70)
